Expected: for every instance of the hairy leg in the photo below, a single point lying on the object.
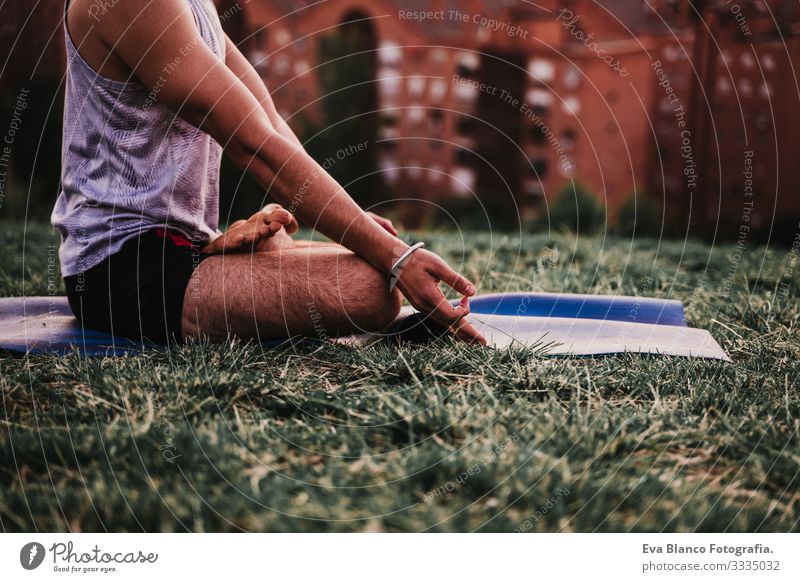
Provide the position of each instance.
(316, 291)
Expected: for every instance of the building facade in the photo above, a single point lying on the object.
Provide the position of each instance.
(692, 104)
(515, 100)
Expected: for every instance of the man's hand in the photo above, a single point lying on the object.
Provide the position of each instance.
(384, 222)
(419, 281)
(243, 235)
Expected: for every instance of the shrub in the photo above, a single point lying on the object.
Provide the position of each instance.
(576, 209)
(639, 216)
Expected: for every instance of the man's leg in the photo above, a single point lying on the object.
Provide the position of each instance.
(317, 291)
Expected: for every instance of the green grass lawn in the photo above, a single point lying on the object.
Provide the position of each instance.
(444, 438)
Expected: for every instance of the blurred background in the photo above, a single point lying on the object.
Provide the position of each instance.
(653, 118)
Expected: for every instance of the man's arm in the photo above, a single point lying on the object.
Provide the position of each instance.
(148, 36)
(241, 67)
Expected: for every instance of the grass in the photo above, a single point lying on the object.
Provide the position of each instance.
(450, 438)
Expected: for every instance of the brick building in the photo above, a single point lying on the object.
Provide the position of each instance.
(694, 104)
(746, 118)
(507, 99)
(514, 99)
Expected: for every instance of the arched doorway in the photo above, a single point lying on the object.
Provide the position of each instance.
(349, 102)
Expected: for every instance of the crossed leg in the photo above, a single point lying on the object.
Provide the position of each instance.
(315, 291)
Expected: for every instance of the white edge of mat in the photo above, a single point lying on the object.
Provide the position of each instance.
(561, 336)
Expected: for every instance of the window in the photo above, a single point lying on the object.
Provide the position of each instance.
(389, 118)
(301, 67)
(438, 89)
(568, 138)
(539, 168)
(763, 121)
(439, 56)
(415, 114)
(464, 125)
(437, 117)
(260, 38)
(572, 78)
(538, 135)
(468, 64)
(568, 167)
(462, 180)
(723, 86)
(388, 82)
(390, 171)
(300, 46)
(463, 157)
(390, 54)
(282, 64)
(388, 145)
(465, 92)
(416, 86)
(542, 70)
(533, 189)
(258, 59)
(282, 37)
(435, 174)
(572, 105)
(539, 98)
(768, 62)
(745, 88)
(671, 53)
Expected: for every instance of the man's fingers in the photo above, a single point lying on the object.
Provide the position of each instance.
(455, 281)
(455, 319)
(442, 312)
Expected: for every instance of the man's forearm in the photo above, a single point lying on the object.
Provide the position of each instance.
(265, 146)
(304, 188)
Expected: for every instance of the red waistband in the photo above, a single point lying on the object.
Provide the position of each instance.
(176, 237)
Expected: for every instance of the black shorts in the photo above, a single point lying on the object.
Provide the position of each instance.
(137, 292)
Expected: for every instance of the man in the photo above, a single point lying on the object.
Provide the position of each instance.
(153, 86)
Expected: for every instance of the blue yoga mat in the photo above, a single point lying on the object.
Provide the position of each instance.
(601, 307)
(45, 325)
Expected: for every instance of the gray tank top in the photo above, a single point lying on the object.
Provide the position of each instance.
(129, 164)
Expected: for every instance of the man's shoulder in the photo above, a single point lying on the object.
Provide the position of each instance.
(110, 19)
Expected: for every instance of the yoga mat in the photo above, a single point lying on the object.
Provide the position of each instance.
(561, 323)
(45, 325)
(605, 307)
(576, 336)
